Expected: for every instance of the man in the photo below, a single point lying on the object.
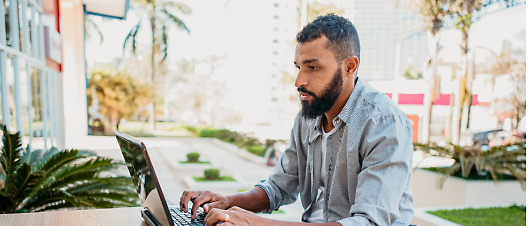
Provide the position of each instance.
(350, 151)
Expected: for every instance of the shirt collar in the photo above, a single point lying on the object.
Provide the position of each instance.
(344, 115)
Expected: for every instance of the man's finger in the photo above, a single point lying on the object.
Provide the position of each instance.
(185, 198)
(214, 216)
(209, 206)
(204, 197)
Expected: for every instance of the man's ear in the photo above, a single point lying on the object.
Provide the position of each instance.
(351, 65)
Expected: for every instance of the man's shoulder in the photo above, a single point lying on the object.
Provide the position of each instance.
(376, 104)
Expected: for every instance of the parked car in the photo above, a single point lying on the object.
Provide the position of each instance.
(500, 138)
(484, 137)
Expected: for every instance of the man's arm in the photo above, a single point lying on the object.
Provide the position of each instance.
(255, 200)
(382, 194)
(239, 216)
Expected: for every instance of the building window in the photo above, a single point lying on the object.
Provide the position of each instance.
(28, 94)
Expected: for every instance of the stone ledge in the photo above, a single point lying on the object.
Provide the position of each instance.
(193, 166)
(216, 185)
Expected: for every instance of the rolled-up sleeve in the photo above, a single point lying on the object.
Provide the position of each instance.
(282, 187)
(385, 172)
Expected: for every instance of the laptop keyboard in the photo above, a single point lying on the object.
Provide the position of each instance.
(184, 219)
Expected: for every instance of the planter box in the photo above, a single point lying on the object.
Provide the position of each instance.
(462, 193)
(193, 166)
(216, 185)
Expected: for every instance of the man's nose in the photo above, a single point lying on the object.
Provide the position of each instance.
(300, 80)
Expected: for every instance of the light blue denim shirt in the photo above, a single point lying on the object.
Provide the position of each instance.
(368, 164)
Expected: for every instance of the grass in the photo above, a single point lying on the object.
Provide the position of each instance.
(199, 162)
(222, 178)
(511, 216)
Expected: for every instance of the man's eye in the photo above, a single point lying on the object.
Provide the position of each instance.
(312, 67)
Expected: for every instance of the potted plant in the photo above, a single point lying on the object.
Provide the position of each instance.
(47, 180)
(478, 177)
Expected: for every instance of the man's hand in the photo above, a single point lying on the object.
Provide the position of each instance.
(235, 216)
(207, 199)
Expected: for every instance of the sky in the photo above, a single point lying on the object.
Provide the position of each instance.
(211, 31)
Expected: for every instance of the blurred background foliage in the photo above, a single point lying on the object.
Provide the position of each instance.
(118, 96)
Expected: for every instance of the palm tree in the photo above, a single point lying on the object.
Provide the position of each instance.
(433, 13)
(38, 181)
(160, 17)
(464, 12)
(90, 28)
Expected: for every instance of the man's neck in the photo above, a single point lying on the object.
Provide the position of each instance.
(331, 114)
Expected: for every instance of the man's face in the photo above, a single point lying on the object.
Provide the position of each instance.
(319, 80)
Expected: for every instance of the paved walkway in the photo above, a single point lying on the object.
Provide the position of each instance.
(166, 153)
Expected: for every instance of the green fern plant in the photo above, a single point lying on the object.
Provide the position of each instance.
(46, 180)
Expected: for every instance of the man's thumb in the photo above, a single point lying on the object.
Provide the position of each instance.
(209, 206)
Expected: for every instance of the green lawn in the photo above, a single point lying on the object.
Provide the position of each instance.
(222, 178)
(200, 162)
(511, 216)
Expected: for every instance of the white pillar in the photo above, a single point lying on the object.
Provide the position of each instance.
(73, 91)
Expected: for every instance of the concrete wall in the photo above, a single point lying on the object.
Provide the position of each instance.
(463, 193)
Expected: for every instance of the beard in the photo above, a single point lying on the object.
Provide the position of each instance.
(321, 104)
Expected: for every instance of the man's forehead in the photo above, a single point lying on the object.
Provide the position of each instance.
(312, 51)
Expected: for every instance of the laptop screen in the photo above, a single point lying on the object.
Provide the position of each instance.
(143, 176)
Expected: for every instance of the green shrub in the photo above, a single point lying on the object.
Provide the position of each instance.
(193, 157)
(191, 129)
(207, 132)
(212, 174)
(259, 150)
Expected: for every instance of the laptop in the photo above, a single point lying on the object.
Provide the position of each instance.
(155, 209)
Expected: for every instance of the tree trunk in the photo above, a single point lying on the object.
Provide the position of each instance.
(462, 89)
(433, 80)
(469, 84)
(152, 110)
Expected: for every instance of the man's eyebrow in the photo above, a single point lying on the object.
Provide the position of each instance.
(310, 61)
(307, 61)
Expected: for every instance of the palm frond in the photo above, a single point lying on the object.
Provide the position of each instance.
(11, 157)
(81, 172)
(90, 26)
(176, 21)
(58, 160)
(32, 157)
(132, 35)
(177, 5)
(45, 180)
(49, 197)
(164, 42)
(500, 162)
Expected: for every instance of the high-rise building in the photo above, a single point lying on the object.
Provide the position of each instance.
(391, 38)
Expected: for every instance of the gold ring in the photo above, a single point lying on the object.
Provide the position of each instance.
(226, 218)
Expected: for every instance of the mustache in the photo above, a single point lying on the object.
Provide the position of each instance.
(304, 90)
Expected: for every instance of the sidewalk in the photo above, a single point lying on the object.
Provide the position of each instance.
(166, 153)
